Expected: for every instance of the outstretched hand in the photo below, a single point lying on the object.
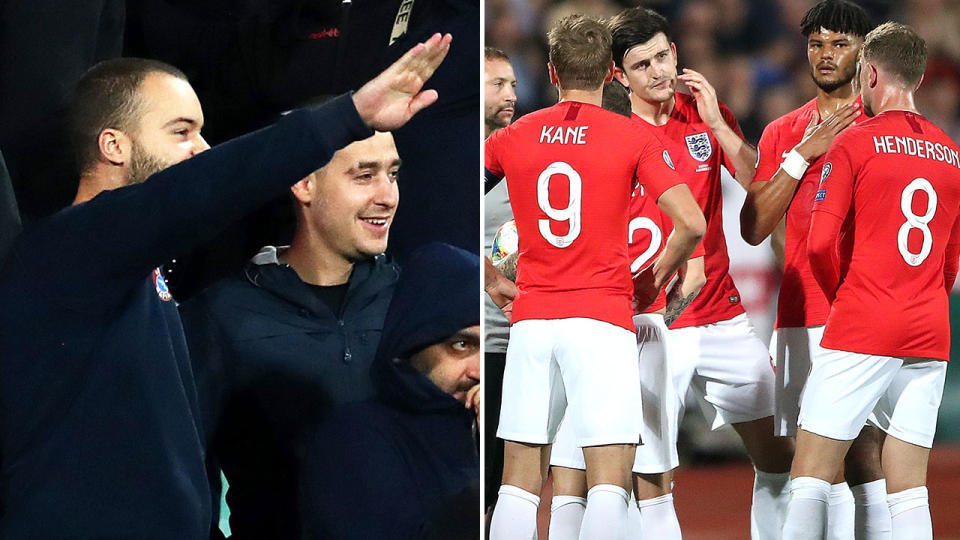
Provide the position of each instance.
(392, 98)
(818, 137)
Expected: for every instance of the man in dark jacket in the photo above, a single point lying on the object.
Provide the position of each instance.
(98, 408)
(278, 347)
(406, 464)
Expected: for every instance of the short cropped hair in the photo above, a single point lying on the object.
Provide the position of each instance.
(616, 99)
(107, 97)
(493, 53)
(634, 26)
(580, 52)
(841, 16)
(900, 51)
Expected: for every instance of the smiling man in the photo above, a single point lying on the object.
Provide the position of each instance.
(279, 347)
(99, 416)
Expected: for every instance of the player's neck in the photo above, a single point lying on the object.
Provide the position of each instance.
(892, 98)
(314, 262)
(828, 102)
(593, 97)
(656, 112)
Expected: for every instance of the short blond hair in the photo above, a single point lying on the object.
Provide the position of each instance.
(580, 52)
(899, 49)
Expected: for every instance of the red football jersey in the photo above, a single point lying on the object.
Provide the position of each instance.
(801, 302)
(570, 170)
(649, 230)
(895, 181)
(698, 157)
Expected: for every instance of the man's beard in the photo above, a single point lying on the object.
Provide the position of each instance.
(143, 164)
(828, 87)
(494, 121)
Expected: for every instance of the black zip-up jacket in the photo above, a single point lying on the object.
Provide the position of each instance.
(99, 430)
(271, 360)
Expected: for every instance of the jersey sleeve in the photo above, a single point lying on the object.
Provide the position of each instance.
(831, 204)
(731, 121)
(768, 155)
(951, 262)
(655, 169)
(835, 192)
(493, 168)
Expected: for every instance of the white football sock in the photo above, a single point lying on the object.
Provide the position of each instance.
(658, 518)
(771, 492)
(515, 516)
(872, 521)
(807, 510)
(566, 513)
(606, 514)
(840, 514)
(910, 514)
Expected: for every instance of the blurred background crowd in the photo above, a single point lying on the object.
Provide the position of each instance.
(750, 50)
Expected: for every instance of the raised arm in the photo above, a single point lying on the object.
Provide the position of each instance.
(767, 200)
(742, 155)
(121, 234)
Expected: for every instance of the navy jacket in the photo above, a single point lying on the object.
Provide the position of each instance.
(397, 466)
(99, 432)
(272, 359)
(381, 469)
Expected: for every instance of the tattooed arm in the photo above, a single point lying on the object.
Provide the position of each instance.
(692, 279)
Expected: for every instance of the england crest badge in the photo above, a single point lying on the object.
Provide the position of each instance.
(827, 167)
(161, 284)
(699, 146)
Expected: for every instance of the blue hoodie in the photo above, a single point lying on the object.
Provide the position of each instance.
(387, 468)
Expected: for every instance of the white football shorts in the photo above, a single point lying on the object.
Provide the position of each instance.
(903, 394)
(580, 368)
(657, 452)
(727, 366)
(794, 350)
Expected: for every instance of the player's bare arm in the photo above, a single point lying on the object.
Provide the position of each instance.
(393, 97)
(689, 227)
(500, 289)
(692, 279)
(767, 201)
(742, 154)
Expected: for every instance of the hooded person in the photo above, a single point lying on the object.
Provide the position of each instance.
(406, 464)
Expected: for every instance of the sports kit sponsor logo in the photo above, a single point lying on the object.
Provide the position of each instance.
(666, 158)
(699, 146)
